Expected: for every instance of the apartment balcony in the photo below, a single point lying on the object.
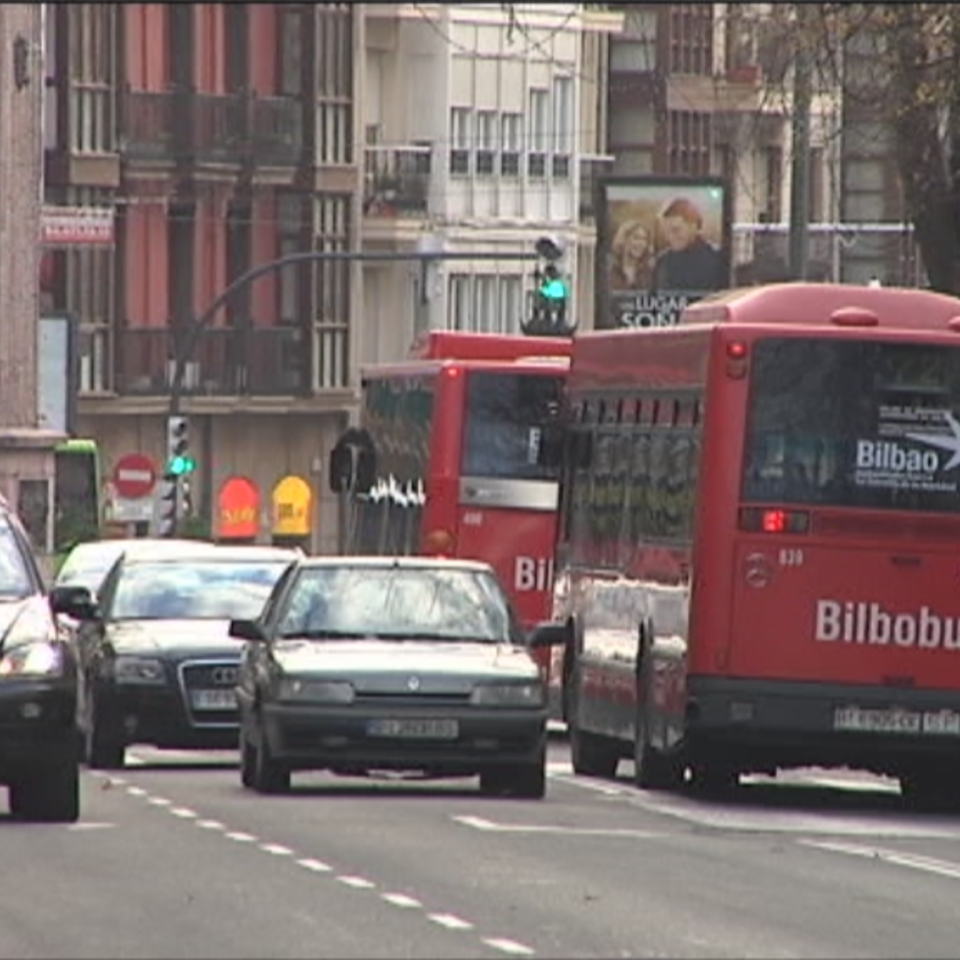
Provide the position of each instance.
(147, 125)
(227, 362)
(397, 181)
(276, 131)
(218, 128)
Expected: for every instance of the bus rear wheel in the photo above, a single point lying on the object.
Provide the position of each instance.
(651, 769)
(930, 791)
(593, 755)
(714, 778)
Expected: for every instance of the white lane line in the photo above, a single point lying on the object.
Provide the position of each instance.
(89, 825)
(317, 866)
(210, 825)
(136, 791)
(509, 946)
(159, 801)
(479, 823)
(942, 868)
(240, 837)
(116, 781)
(358, 883)
(586, 783)
(449, 921)
(277, 849)
(402, 900)
(184, 813)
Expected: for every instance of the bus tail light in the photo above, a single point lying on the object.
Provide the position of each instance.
(773, 520)
(439, 542)
(736, 359)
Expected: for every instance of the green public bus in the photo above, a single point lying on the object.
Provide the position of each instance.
(77, 500)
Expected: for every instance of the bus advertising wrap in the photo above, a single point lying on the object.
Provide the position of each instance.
(663, 242)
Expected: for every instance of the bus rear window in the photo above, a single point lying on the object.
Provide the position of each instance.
(855, 424)
(505, 418)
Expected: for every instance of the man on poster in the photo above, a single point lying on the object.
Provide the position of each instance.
(690, 262)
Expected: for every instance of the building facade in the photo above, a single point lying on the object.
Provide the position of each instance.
(482, 125)
(26, 452)
(221, 136)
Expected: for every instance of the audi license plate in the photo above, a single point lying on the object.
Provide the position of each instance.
(414, 729)
(213, 699)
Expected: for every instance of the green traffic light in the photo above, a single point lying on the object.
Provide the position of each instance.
(179, 466)
(553, 289)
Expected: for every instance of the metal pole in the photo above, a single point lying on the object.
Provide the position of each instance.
(800, 154)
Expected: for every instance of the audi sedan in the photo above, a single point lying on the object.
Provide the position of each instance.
(373, 663)
(157, 664)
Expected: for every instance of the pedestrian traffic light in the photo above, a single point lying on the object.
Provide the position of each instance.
(179, 461)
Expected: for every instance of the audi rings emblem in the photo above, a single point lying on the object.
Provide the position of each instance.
(757, 570)
(225, 676)
(413, 683)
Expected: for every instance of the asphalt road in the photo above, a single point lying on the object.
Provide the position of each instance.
(173, 859)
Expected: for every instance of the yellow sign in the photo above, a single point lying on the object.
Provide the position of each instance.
(292, 513)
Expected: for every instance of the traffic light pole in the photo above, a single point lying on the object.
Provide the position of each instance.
(186, 344)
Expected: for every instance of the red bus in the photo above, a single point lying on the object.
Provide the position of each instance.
(758, 556)
(459, 435)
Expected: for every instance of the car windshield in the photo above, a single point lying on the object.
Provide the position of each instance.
(15, 579)
(88, 564)
(193, 589)
(396, 603)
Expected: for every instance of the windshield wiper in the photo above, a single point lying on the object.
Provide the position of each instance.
(324, 635)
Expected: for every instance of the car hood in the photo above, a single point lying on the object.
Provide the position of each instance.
(380, 664)
(15, 614)
(174, 637)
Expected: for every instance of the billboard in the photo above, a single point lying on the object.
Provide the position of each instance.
(662, 242)
(57, 372)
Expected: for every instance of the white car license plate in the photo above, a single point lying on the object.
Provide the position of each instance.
(213, 699)
(877, 721)
(414, 729)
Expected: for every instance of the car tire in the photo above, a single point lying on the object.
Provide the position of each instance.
(268, 775)
(526, 781)
(48, 793)
(104, 746)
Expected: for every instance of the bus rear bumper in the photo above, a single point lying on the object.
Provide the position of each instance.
(764, 724)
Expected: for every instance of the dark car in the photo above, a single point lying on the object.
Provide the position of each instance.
(157, 664)
(360, 664)
(38, 682)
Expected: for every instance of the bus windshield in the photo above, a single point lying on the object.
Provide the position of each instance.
(847, 423)
(505, 417)
(77, 498)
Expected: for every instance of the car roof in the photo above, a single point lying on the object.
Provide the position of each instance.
(172, 551)
(403, 563)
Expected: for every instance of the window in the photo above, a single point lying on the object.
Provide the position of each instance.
(853, 424)
(563, 135)
(774, 158)
(289, 240)
(506, 414)
(486, 142)
(460, 118)
(691, 38)
(691, 142)
(334, 87)
(331, 295)
(15, 579)
(484, 303)
(91, 29)
(289, 51)
(537, 130)
(815, 198)
(510, 309)
(511, 127)
(459, 301)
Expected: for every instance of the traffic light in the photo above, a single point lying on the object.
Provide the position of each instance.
(179, 461)
(167, 506)
(548, 311)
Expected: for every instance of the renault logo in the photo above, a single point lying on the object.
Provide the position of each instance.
(413, 683)
(225, 676)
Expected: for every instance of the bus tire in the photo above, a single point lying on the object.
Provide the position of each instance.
(713, 778)
(652, 770)
(593, 755)
(929, 791)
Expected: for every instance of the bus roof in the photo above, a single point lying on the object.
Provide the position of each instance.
(827, 305)
(432, 367)
(455, 345)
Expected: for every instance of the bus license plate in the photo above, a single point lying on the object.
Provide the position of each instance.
(213, 699)
(877, 721)
(414, 729)
(942, 723)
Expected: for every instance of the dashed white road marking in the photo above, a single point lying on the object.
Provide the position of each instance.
(943, 868)
(317, 866)
(184, 813)
(159, 801)
(358, 883)
(136, 791)
(90, 825)
(210, 825)
(277, 849)
(509, 946)
(402, 900)
(449, 921)
(240, 837)
(479, 823)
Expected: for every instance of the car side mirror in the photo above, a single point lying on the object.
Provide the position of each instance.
(547, 634)
(73, 601)
(247, 630)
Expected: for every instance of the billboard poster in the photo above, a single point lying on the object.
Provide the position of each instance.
(662, 242)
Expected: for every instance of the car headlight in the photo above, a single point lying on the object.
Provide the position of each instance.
(315, 691)
(32, 660)
(128, 669)
(508, 695)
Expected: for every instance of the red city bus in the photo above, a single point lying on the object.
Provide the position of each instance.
(458, 432)
(758, 555)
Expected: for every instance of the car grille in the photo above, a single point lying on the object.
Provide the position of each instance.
(411, 700)
(208, 675)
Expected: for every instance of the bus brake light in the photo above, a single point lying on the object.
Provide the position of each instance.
(736, 350)
(439, 542)
(773, 520)
(736, 359)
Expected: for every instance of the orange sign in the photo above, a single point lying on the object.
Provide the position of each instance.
(238, 509)
(292, 515)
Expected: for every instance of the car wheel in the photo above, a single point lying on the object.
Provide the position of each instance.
(104, 746)
(248, 760)
(269, 776)
(47, 793)
(526, 780)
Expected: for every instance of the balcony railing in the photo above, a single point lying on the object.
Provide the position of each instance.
(397, 180)
(276, 125)
(210, 128)
(592, 169)
(233, 362)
